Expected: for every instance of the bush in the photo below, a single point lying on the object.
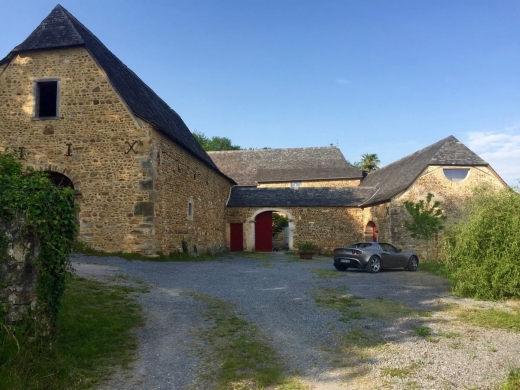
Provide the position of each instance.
(482, 251)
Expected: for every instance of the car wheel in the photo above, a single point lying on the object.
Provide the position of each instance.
(413, 264)
(374, 264)
(341, 267)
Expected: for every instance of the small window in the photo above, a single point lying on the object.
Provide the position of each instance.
(46, 93)
(296, 184)
(190, 209)
(456, 175)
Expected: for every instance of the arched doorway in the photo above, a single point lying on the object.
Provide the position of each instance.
(59, 179)
(371, 232)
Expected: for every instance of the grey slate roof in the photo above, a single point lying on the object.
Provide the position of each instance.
(249, 167)
(61, 29)
(301, 197)
(398, 176)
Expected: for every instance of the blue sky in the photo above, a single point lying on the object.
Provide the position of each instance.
(385, 77)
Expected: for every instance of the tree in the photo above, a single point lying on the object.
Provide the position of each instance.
(279, 223)
(427, 219)
(214, 143)
(369, 162)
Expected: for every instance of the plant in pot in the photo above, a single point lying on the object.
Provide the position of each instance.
(306, 249)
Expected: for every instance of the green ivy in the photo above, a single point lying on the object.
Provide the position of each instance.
(50, 211)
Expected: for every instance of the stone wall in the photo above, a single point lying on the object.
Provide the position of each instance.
(451, 195)
(315, 183)
(18, 251)
(183, 180)
(327, 227)
(107, 153)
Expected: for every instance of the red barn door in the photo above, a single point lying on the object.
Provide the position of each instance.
(237, 237)
(263, 232)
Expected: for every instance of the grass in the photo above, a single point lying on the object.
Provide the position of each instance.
(241, 358)
(422, 331)
(93, 338)
(400, 372)
(353, 307)
(435, 268)
(327, 273)
(491, 318)
(513, 381)
(87, 250)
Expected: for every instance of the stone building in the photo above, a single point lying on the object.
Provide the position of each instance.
(355, 207)
(70, 107)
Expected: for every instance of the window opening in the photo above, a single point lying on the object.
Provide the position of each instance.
(456, 175)
(46, 99)
(190, 209)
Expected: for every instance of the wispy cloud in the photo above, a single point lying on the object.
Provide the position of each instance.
(342, 81)
(501, 149)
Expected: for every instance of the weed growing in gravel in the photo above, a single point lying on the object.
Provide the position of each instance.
(401, 372)
(240, 358)
(422, 331)
(93, 336)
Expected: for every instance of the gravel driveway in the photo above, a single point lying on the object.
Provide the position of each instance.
(278, 295)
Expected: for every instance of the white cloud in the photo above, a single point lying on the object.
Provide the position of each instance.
(501, 149)
(342, 81)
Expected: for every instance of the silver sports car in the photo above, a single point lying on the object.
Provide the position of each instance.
(373, 256)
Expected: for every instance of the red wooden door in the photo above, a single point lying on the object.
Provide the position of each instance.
(237, 237)
(263, 232)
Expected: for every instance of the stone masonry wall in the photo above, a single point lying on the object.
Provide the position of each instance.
(326, 227)
(18, 276)
(89, 143)
(182, 179)
(315, 183)
(450, 194)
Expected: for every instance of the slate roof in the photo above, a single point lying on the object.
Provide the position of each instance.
(301, 197)
(60, 29)
(249, 167)
(398, 176)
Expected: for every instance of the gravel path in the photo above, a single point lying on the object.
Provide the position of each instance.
(277, 296)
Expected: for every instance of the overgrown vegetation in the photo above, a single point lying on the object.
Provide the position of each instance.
(92, 338)
(482, 251)
(241, 358)
(279, 222)
(50, 211)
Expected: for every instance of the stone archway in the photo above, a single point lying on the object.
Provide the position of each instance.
(249, 227)
(371, 232)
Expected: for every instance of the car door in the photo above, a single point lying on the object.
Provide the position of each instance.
(390, 256)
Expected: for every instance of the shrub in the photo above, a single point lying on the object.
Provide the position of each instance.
(482, 251)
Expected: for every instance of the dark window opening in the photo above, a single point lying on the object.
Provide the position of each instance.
(60, 180)
(47, 99)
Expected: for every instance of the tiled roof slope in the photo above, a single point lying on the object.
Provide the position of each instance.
(248, 167)
(61, 29)
(398, 176)
(301, 197)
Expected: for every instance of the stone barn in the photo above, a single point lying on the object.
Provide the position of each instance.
(70, 107)
(331, 203)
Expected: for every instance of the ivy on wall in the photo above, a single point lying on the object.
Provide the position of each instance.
(29, 195)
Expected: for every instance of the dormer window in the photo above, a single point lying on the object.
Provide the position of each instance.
(456, 175)
(296, 184)
(46, 99)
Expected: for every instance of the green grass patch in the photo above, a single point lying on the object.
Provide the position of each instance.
(422, 331)
(513, 381)
(401, 372)
(328, 273)
(92, 339)
(436, 268)
(491, 318)
(87, 250)
(241, 358)
(353, 307)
